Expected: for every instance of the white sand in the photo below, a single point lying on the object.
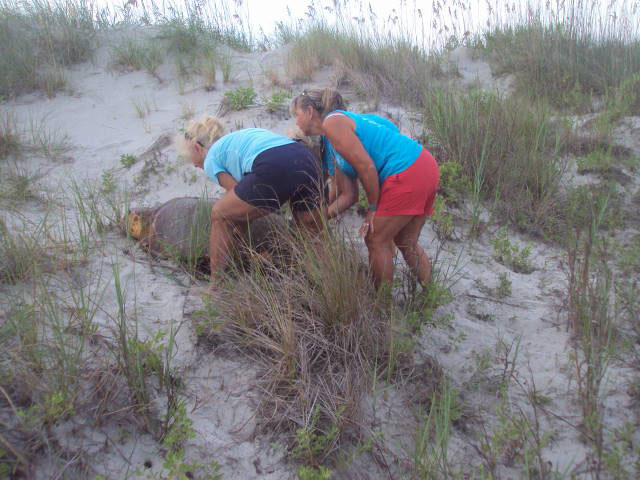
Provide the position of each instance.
(100, 120)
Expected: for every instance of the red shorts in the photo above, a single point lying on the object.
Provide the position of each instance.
(412, 191)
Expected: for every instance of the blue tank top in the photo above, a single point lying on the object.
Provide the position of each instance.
(390, 151)
(235, 152)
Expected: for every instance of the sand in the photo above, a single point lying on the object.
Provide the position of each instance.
(98, 116)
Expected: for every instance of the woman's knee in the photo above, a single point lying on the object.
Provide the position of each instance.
(219, 215)
(377, 242)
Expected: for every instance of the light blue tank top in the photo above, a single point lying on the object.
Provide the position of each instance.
(390, 151)
(235, 152)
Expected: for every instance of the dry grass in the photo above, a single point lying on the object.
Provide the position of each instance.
(308, 316)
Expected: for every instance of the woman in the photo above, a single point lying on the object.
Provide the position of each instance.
(399, 176)
(260, 171)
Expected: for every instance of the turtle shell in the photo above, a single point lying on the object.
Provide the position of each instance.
(180, 229)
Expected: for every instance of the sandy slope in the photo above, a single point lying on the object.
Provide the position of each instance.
(100, 120)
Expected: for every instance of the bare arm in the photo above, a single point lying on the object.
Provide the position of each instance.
(226, 181)
(346, 194)
(339, 129)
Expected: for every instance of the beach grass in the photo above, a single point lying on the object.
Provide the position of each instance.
(306, 314)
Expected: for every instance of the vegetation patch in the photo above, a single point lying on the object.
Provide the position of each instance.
(376, 66)
(41, 39)
(504, 148)
(240, 98)
(568, 64)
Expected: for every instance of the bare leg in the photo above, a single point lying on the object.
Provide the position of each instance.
(228, 212)
(407, 242)
(380, 245)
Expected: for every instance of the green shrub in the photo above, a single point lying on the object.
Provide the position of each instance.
(276, 101)
(240, 98)
(510, 255)
(127, 160)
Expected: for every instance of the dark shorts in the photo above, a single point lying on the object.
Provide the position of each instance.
(289, 173)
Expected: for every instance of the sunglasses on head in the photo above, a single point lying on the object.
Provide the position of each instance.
(191, 139)
(311, 101)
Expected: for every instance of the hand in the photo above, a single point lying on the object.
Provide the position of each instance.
(367, 226)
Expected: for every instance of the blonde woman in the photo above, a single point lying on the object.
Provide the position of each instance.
(260, 170)
(399, 177)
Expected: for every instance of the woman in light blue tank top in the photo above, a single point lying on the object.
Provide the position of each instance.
(400, 178)
(260, 170)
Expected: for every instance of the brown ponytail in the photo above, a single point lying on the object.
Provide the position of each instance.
(322, 100)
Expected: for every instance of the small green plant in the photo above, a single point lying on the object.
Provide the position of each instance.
(127, 160)
(240, 98)
(108, 183)
(17, 186)
(516, 440)
(442, 220)
(453, 183)
(510, 255)
(179, 427)
(504, 287)
(312, 443)
(313, 473)
(206, 320)
(45, 140)
(208, 68)
(226, 67)
(276, 101)
(431, 456)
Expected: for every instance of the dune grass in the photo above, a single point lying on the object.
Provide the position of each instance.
(308, 316)
(40, 39)
(506, 148)
(570, 64)
(374, 67)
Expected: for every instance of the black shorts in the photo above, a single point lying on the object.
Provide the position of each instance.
(289, 173)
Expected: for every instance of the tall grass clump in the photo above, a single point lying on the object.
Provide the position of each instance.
(591, 315)
(504, 146)
(570, 56)
(10, 135)
(24, 255)
(376, 66)
(308, 316)
(204, 24)
(39, 39)
(136, 55)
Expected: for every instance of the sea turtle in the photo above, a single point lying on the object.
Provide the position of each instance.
(180, 229)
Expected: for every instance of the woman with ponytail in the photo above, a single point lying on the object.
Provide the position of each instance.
(399, 177)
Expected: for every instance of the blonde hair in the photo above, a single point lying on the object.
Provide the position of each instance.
(205, 131)
(322, 100)
(312, 142)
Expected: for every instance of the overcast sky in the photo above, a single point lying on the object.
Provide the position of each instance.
(411, 14)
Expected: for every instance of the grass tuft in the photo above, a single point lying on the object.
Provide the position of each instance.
(568, 64)
(308, 316)
(505, 147)
(131, 55)
(41, 38)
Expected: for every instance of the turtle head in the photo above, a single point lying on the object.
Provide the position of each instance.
(135, 224)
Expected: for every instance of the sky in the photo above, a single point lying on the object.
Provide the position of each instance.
(418, 17)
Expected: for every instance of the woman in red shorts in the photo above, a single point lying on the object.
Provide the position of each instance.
(399, 176)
